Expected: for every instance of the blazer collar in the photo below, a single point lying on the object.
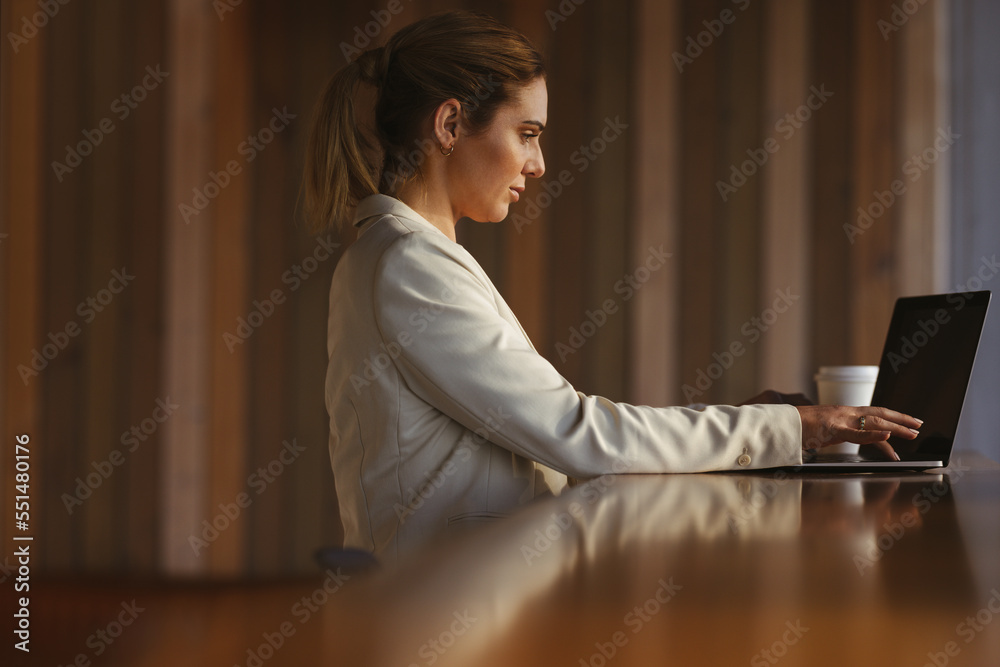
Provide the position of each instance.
(373, 207)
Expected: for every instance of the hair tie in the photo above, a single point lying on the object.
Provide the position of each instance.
(374, 64)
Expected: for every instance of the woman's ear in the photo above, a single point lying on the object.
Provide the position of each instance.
(448, 122)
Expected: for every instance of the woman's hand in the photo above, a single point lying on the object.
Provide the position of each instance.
(824, 425)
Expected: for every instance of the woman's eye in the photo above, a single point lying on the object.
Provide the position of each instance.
(528, 135)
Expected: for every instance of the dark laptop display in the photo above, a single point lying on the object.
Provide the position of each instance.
(925, 370)
(926, 365)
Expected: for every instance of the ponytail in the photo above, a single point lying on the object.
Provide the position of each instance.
(339, 170)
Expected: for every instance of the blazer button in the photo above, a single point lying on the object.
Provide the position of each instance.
(744, 460)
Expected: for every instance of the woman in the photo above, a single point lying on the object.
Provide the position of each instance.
(441, 412)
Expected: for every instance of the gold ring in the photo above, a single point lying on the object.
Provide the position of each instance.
(862, 422)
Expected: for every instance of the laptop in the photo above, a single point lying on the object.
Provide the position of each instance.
(924, 371)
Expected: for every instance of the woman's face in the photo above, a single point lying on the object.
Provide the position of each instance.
(488, 170)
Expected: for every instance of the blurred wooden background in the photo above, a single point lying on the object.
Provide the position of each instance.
(229, 71)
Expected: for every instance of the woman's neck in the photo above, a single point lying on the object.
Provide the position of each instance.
(434, 207)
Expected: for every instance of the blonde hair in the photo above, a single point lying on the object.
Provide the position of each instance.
(464, 55)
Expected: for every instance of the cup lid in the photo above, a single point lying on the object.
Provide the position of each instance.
(847, 373)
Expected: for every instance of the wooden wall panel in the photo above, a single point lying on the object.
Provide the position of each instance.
(737, 257)
(271, 257)
(526, 245)
(22, 108)
(872, 284)
(655, 185)
(142, 338)
(568, 227)
(831, 165)
(311, 478)
(188, 346)
(924, 82)
(786, 193)
(64, 235)
(701, 234)
(103, 364)
(655, 142)
(230, 268)
(609, 196)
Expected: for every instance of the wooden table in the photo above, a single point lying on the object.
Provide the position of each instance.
(715, 569)
(719, 569)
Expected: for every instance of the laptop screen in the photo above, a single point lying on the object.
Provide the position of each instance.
(926, 365)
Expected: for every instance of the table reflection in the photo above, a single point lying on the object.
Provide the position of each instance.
(713, 567)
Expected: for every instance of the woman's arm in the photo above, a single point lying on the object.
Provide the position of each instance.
(461, 356)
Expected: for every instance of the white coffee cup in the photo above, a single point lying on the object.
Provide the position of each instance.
(845, 385)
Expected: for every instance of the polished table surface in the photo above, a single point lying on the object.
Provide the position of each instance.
(715, 569)
(712, 569)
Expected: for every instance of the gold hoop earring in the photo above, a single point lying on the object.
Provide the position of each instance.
(450, 150)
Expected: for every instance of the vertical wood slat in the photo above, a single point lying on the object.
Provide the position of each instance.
(21, 185)
(831, 183)
(229, 286)
(143, 335)
(568, 226)
(103, 547)
(653, 364)
(185, 436)
(786, 192)
(700, 284)
(922, 222)
(270, 346)
(737, 261)
(873, 255)
(312, 484)
(63, 288)
(525, 247)
(608, 257)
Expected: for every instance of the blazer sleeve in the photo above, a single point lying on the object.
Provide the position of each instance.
(453, 349)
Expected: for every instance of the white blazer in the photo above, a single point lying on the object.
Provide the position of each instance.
(442, 413)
